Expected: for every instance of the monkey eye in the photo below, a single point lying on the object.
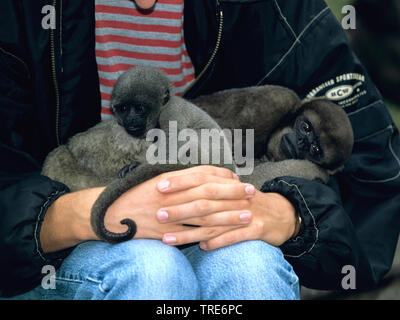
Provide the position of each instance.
(139, 109)
(306, 127)
(316, 150)
(123, 108)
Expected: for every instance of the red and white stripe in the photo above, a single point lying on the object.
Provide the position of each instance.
(126, 37)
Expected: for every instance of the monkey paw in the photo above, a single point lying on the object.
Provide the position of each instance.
(124, 171)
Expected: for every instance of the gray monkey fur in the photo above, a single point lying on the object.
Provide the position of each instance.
(93, 158)
(271, 111)
(262, 108)
(268, 170)
(84, 162)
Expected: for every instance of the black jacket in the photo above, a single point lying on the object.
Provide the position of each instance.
(49, 90)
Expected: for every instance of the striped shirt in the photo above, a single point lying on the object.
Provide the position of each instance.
(126, 37)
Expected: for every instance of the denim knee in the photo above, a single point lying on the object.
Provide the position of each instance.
(136, 269)
(247, 270)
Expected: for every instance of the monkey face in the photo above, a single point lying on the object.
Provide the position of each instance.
(133, 117)
(302, 143)
(321, 133)
(334, 131)
(138, 97)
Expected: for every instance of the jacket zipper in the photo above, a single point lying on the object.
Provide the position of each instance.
(54, 77)
(213, 55)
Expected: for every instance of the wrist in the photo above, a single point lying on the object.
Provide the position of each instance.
(80, 204)
(286, 215)
(290, 216)
(67, 221)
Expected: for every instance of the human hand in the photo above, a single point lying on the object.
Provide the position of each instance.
(265, 216)
(190, 192)
(140, 203)
(213, 202)
(274, 221)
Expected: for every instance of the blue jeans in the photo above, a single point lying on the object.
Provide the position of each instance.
(149, 269)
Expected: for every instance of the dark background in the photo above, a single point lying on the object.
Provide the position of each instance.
(382, 51)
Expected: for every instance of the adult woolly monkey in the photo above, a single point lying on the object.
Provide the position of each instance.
(141, 100)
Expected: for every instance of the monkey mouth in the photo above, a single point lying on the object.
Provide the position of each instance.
(289, 147)
(136, 131)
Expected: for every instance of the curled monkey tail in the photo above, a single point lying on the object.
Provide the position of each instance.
(114, 190)
(99, 209)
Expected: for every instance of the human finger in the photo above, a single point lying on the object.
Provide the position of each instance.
(198, 208)
(190, 180)
(225, 218)
(230, 237)
(194, 235)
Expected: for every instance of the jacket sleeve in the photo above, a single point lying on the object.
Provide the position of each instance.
(23, 204)
(25, 195)
(355, 219)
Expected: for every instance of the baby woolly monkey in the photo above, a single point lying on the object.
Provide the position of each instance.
(316, 144)
(309, 139)
(141, 100)
(93, 158)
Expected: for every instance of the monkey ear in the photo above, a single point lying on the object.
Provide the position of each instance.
(112, 108)
(167, 96)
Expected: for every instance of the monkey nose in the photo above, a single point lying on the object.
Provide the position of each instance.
(289, 147)
(145, 4)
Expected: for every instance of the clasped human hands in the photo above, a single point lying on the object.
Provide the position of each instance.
(204, 204)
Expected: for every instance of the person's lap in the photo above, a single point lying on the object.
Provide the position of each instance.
(149, 269)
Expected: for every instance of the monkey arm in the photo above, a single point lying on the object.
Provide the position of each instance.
(61, 166)
(96, 150)
(95, 157)
(267, 171)
(261, 108)
(189, 116)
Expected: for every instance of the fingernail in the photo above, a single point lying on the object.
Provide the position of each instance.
(250, 190)
(162, 215)
(203, 245)
(245, 216)
(163, 185)
(169, 239)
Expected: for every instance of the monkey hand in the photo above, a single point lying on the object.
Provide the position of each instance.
(128, 168)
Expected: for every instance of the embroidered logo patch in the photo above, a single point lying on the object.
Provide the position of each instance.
(345, 89)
